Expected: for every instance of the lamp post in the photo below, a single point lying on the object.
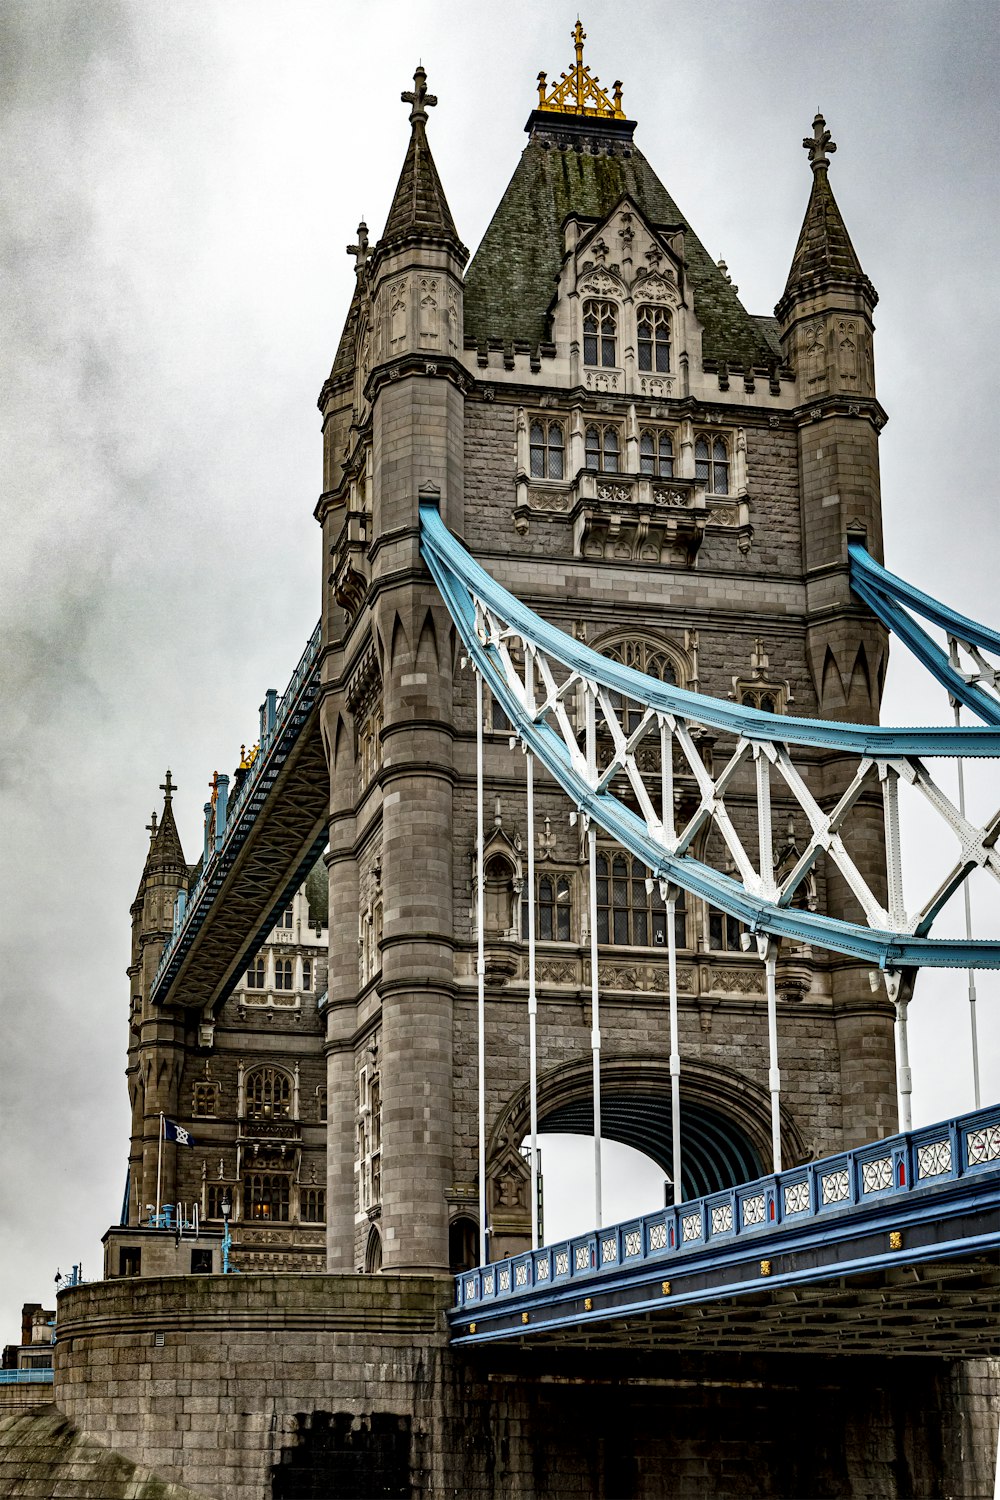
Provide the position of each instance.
(226, 1208)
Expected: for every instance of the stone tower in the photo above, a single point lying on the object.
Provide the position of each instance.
(671, 479)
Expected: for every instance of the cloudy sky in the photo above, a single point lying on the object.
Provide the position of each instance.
(180, 182)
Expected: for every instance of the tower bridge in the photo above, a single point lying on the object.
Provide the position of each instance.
(591, 531)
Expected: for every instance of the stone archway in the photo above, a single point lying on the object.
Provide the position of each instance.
(725, 1118)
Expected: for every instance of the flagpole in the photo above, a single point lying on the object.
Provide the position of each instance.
(159, 1164)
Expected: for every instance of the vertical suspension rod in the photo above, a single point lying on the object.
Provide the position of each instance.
(532, 995)
(670, 830)
(480, 971)
(774, 1074)
(968, 908)
(590, 709)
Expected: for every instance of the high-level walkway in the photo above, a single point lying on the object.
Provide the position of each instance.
(889, 1249)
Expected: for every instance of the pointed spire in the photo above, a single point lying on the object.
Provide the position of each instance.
(164, 840)
(419, 209)
(824, 251)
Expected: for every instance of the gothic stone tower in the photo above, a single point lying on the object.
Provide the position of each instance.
(246, 1081)
(671, 479)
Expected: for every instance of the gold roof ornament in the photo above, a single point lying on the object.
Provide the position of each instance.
(578, 92)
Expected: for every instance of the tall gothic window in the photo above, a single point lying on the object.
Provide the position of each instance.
(628, 914)
(268, 1093)
(602, 447)
(600, 333)
(215, 1195)
(284, 975)
(307, 974)
(256, 975)
(546, 449)
(266, 1196)
(656, 453)
(644, 656)
(653, 329)
(553, 910)
(711, 464)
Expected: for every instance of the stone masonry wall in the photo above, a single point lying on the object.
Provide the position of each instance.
(274, 1388)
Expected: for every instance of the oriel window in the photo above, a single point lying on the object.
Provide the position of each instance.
(600, 334)
(546, 450)
(268, 1094)
(656, 453)
(602, 448)
(628, 914)
(711, 464)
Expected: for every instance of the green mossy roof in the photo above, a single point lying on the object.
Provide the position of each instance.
(511, 283)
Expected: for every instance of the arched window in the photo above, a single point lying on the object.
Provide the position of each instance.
(553, 910)
(600, 334)
(498, 897)
(646, 657)
(205, 1096)
(266, 1196)
(628, 914)
(767, 699)
(321, 1103)
(268, 1093)
(307, 974)
(656, 453)
(256, 975)
(284, 974)
(312, 1205)
(602, 448)
(711, 464)
(463, 1244)
(546, 448)
(215, 1195)
(373, 1252)
(653, 328)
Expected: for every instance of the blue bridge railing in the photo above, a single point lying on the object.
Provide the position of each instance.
(883, 1170)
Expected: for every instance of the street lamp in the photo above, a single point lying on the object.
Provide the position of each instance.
(226, 1209)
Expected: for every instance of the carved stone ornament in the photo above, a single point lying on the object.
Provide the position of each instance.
(600, 284)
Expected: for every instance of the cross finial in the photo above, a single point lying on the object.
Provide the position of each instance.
(213, 787)
(820, 144)
(360, 251)
(151, 826)
(418, 96)
(167, 787)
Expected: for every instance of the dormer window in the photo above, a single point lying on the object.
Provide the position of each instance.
(546, 448)
(711, 464)
(602, 448)
(653, 330)
(600, 334)
(656, 453)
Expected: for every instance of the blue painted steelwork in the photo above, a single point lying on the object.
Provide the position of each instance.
(26, 1377)
(886, 595)
(281, 724)
(936, 1173)
(461, 582)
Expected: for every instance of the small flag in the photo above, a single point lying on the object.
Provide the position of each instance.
(174, 1132)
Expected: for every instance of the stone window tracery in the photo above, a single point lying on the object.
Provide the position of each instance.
(205, 1100)
(284, 974)
(711, 463)
(370, 741)
(656, 453)
(553, 909)
(268, 1094)
(600, 333)
(256, 975)
(546, 450)
(653, 339)
(602, 448)
(312, 1205)
(628, 914)
(266, 1196)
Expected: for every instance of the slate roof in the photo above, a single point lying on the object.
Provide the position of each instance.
(511, 282)
(419, 207)
(165, 850)
(347, 349)
(824, 249)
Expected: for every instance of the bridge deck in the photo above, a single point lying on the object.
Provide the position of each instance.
(891, 1248)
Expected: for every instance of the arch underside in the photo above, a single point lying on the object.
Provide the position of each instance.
(716, 1151)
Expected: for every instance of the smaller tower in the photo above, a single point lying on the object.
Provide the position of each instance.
(156, 1037)
(825, 322)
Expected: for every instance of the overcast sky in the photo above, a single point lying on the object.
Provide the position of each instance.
(180, 182)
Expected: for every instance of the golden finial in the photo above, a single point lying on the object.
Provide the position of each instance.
(213, 786)
(578, 91)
